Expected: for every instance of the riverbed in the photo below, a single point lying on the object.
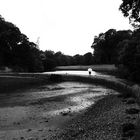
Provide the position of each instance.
(42, 112)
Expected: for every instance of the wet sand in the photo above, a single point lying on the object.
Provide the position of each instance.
(43, 112)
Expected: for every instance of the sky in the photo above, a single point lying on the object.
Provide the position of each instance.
(68, 26)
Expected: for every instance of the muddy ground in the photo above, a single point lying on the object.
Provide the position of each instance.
(44, 111)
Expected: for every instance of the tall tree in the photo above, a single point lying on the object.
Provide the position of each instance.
(105, 45)
(16, 50)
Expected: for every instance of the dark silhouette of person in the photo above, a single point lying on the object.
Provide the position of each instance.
(89, 71)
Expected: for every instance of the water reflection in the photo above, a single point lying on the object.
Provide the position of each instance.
(73, 72)
(83, 73)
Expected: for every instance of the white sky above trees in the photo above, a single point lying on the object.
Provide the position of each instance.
(68, 26)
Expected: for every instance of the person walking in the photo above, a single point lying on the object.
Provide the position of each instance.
(89, 71)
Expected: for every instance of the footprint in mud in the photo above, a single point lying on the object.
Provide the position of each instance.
(132, 111)
(128, 131)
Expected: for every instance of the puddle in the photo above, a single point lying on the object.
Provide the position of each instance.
(75, 72)
(72, 72)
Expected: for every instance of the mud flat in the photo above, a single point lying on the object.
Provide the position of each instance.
(46, 111)
(111, 118)
(70, 110)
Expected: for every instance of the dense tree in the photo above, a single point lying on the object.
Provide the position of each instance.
(16, 50)
(88, 58)
(61, 59)
(131, 9)
(78, 60)
(53, 59)
(49, 61)
(105, 45)
(129, 56)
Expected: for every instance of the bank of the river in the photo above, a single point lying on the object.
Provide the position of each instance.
(108, 119)
(111, 118)
(44, 111)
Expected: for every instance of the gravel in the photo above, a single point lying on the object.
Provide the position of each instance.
(102, 121)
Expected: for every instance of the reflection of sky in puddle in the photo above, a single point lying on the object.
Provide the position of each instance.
(80, 102)
(76, 72)
(72, 72)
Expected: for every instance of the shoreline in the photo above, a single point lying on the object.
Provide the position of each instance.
(130, 90)
(102, 121)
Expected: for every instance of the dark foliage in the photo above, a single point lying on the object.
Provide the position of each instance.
(131, 9)
(88, 58)
(16, 51)
(53, 59)
(105, 45)
(129, 56)
(121, 48)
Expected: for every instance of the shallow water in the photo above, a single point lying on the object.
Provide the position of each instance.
(73, 72)
(82, 73)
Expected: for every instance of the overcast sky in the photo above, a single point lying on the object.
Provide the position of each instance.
(68, 26)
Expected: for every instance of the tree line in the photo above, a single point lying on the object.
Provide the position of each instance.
(122, 47)
(59, 59)
(18, 53)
